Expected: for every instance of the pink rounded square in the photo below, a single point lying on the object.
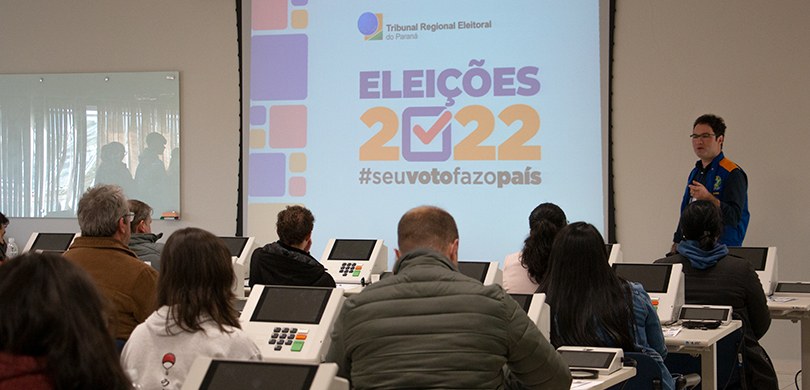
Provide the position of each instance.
(298, 186)
(288, 126)
(269, 14)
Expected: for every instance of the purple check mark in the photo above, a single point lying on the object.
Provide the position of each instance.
(427, 136)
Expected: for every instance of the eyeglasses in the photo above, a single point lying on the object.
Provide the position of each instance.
(128, 217)
(701, 136)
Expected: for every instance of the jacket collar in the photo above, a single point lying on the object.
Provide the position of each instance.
(714, 163)
(423, 257)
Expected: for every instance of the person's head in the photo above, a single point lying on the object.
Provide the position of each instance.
(548, 212)
(708, 134)
(584, 292)
(428, 227)
(156, 142)
(113, 152)
(54, 311)
(294, 227)
(545, 221)
(3, 225)
(141, 218)
(701, 221)
(103, 212)
(195, 279)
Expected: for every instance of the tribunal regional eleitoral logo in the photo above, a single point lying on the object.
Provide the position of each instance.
(370, 25)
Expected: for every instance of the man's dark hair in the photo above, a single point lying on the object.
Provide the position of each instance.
(3, 220)
(294, 225)
(717, 123)
(426, 227)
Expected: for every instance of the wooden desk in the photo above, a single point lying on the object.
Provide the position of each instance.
(604, 381)
(796, 310)
(703, 343)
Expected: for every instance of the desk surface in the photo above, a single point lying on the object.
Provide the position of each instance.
(605, 381)
(784, 305)
(698, 338)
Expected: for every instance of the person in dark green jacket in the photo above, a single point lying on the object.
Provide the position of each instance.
(429, 326)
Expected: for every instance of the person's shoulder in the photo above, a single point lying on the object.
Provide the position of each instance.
(670, 259)
(729, 165)
(736, 262)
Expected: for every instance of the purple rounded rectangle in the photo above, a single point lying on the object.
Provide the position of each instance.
(258, 115)
(268, 174)
(278, 67)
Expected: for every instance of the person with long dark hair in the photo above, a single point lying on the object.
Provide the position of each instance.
(713, 277)
(53, 331)
(523, 271)
(195, 316)
(3, 245)
(592, 306)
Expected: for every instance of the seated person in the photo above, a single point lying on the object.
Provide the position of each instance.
(713, 277)
(195, 316)
(53, 329)
(522, 271)
(592, 306)
(428, 326)
(125, 281)
(3, 245)
(142, 241)
(287, 261)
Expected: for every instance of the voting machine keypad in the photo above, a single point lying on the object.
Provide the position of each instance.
(350, 268)
(293, 338)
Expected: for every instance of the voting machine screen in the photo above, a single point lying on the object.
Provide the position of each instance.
(208, 373)
(487, 272)
(49, 242)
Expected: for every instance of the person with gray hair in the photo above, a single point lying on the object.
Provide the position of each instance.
(128, 284)
(430, 326)
(142, 241)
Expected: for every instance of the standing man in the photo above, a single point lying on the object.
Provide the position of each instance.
(718, 180)
(128, 284)
(428, 326)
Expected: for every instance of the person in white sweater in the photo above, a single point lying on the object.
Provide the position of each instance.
(194, 318)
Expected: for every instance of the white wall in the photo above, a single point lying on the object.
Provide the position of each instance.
(746, 61)
(195, 37)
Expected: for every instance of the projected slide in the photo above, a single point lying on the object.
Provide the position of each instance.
(361, 110)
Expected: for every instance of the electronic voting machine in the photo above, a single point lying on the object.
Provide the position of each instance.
(222, 374)
(353, 261)
(663, 282)
(487, 272)
(291, 324)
